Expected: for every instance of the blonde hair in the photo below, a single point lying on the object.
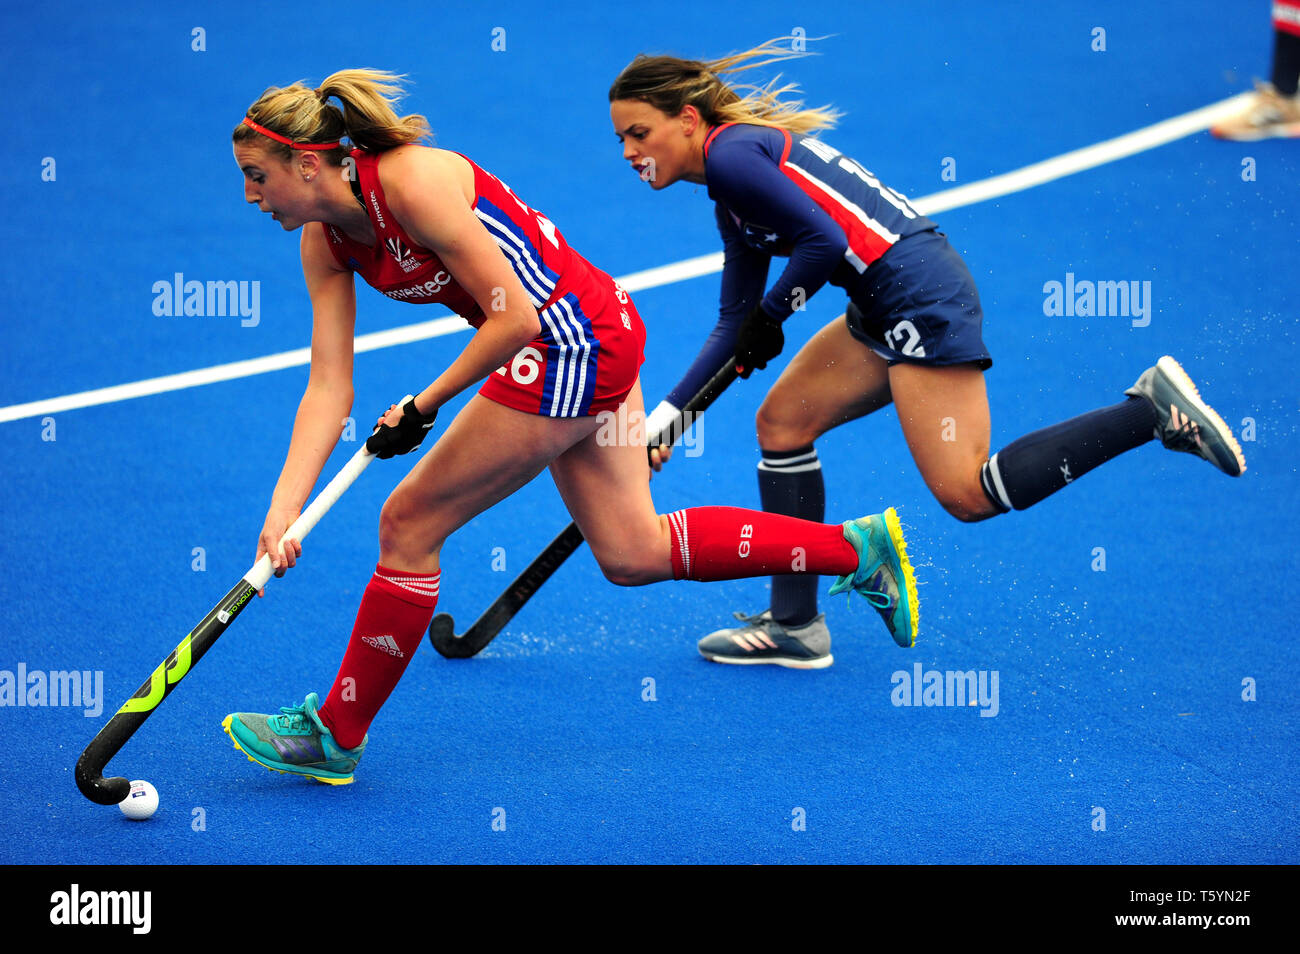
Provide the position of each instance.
(669, 84)
(367, 119)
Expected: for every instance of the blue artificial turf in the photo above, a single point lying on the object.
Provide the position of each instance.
(1119, 690)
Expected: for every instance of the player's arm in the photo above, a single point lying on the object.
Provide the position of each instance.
(744, 175)
(744, 275)
(743, 178)
(327, 399)
(749, 182)
(426, 195)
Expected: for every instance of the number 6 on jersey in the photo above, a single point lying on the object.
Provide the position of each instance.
(526, 366)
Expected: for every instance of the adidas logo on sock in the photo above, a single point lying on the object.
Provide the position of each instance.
(384, 644)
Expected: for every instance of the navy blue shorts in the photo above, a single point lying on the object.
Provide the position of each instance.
(919, 305)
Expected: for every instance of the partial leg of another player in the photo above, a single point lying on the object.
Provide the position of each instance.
(833, 379)
(945, 418)
(1275, 108)
(606, 489)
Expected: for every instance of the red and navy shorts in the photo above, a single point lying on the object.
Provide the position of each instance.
(586, 358)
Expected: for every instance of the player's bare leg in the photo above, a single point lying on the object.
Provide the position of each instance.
(487, 452)
(944, 413)
(945, 418)
(833, 379)
(604, 480)
(605, 486)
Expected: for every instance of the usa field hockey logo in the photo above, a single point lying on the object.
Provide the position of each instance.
(402, 254)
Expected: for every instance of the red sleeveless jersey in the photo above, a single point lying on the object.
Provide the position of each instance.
(589, 351)
(403, 270)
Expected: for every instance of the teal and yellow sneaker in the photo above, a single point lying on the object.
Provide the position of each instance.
(884, 575)
(295, 741)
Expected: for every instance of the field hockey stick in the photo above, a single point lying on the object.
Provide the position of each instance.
(442, 630)
(159, 685)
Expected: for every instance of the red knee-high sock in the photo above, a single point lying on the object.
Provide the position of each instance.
(728, 543)
(394, 616)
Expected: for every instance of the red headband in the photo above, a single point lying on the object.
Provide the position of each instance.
(315, 146)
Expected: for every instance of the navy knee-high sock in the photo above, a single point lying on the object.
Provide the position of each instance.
(790, 483)
(1286, 62)
(1039, 464)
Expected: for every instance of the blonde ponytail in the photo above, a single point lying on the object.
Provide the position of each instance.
(306, 116)
(368, 98)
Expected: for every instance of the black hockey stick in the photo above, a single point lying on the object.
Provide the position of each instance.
(442, 630)
(119, 729)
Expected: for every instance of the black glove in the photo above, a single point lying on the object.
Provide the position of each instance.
(387, 441)
(759, 341)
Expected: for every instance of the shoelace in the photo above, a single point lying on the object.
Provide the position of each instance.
(295, 716)
(1185, 437)
(877, 598)
(875, 595)
(884, 601)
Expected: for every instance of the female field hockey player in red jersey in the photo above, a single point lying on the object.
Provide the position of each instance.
(910, 334)
(557, 344)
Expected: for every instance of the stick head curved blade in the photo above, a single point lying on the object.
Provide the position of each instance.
(102, 791)
(442, 633)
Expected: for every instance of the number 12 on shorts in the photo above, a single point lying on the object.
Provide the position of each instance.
(905, 339)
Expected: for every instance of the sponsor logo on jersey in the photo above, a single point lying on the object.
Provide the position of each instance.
(422, 290)
(402, 254)
(374, 201)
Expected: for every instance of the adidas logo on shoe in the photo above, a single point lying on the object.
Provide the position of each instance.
(1184, 424)
(384, 644)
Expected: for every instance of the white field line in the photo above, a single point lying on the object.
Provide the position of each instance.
(1027, 177)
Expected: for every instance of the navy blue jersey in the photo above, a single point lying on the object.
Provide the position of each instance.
(794, 196)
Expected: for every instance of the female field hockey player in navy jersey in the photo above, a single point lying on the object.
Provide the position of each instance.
(910, 334)
(557, 346)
